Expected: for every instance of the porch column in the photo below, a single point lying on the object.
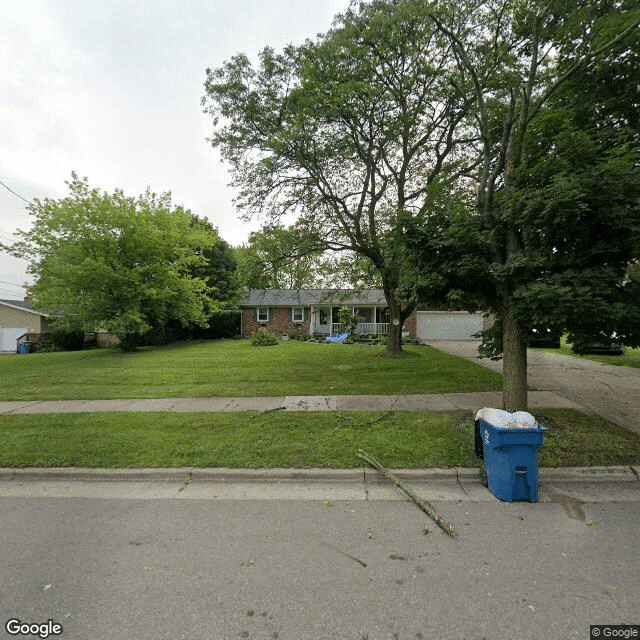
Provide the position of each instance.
(312, 321)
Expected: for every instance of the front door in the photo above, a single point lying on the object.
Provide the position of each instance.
(323, 320)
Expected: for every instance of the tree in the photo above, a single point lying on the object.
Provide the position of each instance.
(218, 267)
(553, 226)
(278, 257)
(346, 133)
(115, 262)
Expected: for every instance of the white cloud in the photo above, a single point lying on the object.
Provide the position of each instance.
(112, 90)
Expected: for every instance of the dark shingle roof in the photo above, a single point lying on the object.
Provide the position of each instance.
(21, 304)
(27, 306)
(307, 297)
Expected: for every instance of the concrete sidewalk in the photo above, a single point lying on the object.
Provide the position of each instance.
(410, 402)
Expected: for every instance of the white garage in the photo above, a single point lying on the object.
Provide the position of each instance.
(448, 325)
(9, 336)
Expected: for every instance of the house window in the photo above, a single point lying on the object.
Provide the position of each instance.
(262, 314)
(297, 314)
(365, 314)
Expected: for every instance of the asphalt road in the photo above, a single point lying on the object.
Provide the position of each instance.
(154, 568)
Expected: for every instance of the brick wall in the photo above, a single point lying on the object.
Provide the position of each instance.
(411, 324)
(279, 323)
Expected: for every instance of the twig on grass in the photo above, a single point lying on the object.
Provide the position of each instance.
(256, 415)
(427, 507)
(383, 415)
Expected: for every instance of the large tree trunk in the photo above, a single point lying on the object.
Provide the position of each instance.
(394, 344)
(514, 364)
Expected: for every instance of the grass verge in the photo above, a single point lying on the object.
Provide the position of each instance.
(630, 358)
(291, 440)
(236, 368)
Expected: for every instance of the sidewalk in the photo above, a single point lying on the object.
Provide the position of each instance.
(412, 402)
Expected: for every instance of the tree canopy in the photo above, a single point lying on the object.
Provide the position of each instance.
(344, 132)
(547, 233)
(116, 262)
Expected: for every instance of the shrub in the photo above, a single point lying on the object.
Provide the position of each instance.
(305, 337)
(46, 346)
(263, 339)
(68, 339)
(347, 320)
(224, 324)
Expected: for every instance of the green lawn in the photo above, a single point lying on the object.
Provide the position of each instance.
(236, 368)
(291, 440)
(630, 358)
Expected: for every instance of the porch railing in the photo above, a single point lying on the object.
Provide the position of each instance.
(363, 328)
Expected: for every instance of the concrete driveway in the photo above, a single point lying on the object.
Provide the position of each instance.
(610, 391)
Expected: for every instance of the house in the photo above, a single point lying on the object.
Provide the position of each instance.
(18, 317)
(290, 312)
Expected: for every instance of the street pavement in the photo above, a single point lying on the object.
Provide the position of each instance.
(318, 555)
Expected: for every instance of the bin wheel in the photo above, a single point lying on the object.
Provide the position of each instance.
(483, 477)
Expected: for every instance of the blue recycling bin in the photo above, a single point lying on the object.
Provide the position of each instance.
(511, 460)
(23, 348)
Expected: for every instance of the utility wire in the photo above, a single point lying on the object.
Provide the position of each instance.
(4, 237)
(14, 193)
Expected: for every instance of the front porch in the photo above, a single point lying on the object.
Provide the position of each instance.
(362, 328)
(372, 319)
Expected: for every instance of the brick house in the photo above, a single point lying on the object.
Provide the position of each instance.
(290, 312)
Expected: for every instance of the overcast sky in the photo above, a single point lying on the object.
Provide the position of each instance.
(112, 91)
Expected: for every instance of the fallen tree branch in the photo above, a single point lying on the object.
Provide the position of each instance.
(382, 416)
(267, 411)
(428, 508)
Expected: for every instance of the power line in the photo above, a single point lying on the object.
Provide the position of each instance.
(14, 193)
(6, 237)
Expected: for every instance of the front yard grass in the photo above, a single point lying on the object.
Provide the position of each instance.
(630, 358)
(291, 440)
(236, 368)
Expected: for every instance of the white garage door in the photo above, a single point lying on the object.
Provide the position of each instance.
(448, 325)
(8, 337)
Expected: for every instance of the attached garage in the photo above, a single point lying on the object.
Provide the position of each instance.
(9, 337)
(448, 325)
(16, 318)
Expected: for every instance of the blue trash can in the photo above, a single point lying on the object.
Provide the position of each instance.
(23, 348)
(511, 460)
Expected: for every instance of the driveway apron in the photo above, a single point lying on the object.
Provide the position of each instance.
(609, 391)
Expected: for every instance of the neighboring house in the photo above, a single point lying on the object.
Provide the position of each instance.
(18, 317)
(289, 312)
